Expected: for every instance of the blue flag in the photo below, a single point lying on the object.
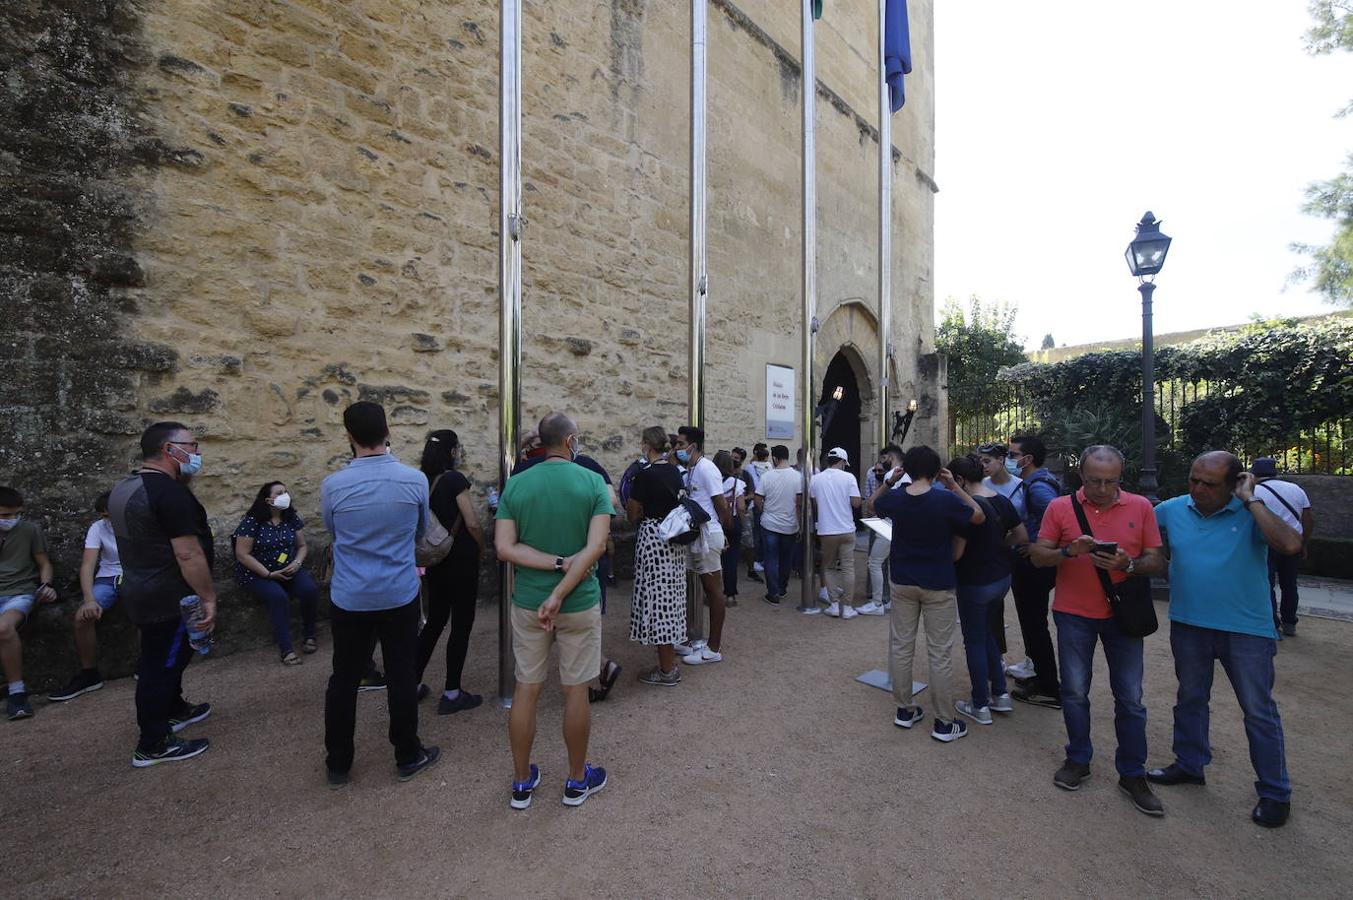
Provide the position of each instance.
(896, 50)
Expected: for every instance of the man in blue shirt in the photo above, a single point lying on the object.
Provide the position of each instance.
(376, 509)
(1219, 538)
(1031, 584)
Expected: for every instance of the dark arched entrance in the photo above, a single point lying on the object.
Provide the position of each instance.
(841, 424)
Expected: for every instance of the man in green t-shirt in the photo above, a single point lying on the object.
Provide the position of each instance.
(552, 524)
(25, 581)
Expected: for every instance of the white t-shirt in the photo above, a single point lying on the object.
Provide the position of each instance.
(703, 484)
(781, 489)
(1292, 493)
(100, 537)
(832, 490)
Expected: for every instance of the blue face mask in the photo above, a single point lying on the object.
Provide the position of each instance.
(1011, 466)
(683, 455)
(192, 466)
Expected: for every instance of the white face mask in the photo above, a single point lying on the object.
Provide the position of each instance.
(9, 524)
(281, 501)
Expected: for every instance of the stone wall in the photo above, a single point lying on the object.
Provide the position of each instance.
(246, 214)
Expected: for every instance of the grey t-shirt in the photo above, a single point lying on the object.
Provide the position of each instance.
(147, 510)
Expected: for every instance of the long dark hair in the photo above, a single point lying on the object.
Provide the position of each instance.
(439, 453)
(262, 510)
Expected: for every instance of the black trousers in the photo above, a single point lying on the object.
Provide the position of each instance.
(355, 635)
(159, 688)
(453, 593)
(1030, 586)
(1282, 573)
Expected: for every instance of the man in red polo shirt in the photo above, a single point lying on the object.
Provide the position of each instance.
(1083, 616)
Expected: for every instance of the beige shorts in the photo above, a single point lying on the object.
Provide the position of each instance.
(712, 559)
(578, 636)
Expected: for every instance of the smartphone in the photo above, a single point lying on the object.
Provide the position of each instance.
(1108, 548)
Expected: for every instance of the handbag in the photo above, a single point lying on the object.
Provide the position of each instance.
(683, 524)
(436, 542)
(1130, 599)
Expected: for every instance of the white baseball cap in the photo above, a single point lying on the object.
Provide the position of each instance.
(838, 453)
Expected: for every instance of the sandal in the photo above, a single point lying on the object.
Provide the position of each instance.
(291, 659)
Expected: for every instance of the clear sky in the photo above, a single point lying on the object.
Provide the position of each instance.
(1059, 123)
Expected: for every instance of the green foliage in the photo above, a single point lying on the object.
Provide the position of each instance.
(1048, 342)
(1256, 391)
(979, 345)
(1330, 267)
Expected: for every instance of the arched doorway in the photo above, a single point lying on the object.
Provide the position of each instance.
(841, 418)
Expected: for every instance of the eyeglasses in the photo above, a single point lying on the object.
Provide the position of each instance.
(192, 444)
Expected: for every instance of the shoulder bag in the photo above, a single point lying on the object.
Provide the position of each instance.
(684, 523)
(1130, 599)
(437, 540)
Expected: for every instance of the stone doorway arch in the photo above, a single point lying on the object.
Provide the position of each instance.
(849, 331)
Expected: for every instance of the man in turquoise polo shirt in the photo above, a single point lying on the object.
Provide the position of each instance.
(552, 524)
(1219, 538)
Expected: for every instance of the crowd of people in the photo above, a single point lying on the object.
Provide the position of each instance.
(948, 542)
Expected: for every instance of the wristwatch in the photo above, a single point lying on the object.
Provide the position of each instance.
(1252, 500)
(1131, 566)
(1064, 551)
(559, 564)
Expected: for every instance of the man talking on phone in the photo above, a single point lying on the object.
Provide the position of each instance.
(1124, 541)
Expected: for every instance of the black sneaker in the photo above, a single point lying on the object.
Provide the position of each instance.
(1174, 774)
(1071, 774)
(751, 574)
(908, 716)
(463, 701)
(1135, 786)
(1271, 813)
(948, 731)
(188, 716)
(772, 599)
(83, 682)
(172, 750)
(337, 779)
(1290, 630)
(374, 681)
(18, 707)
(425, 759)
(1035, 697)
(423, 692)
(522, 791)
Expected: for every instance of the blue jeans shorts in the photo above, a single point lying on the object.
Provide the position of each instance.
(106, 591)
(19, 603)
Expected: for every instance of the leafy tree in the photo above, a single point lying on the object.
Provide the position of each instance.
(1330, 268)
(1048, 342)
(979, 344)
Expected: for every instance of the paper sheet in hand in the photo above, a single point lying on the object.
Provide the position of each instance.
(883, 527)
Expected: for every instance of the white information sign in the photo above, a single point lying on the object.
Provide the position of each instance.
(779, 402)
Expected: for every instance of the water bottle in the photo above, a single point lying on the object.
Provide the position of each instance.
(191, 609)
(493, 499)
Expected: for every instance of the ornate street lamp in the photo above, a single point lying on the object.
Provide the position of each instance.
(1145, 258)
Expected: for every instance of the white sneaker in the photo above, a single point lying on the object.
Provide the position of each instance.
(980, 715)
(810, 611)
(851, 612)
(871, 609)
(1021, 670)
(702, 656)
(888, 606)
(758, 568)
(833, 610)
(1002, 704)
(681, 649)
(822, 595)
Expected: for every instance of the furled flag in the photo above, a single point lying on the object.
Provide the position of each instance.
(817, 9)
(896, 50)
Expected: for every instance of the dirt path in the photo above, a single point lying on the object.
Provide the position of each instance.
(770, 774)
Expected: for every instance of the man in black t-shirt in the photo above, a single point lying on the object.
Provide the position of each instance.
(165, 545)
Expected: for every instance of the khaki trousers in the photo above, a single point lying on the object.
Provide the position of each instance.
(838, 567)
(939, 609)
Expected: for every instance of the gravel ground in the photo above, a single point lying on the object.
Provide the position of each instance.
(771, 774)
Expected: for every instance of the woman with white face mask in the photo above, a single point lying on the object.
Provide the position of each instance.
(269, 552)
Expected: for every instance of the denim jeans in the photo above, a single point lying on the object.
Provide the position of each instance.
(1248, 662)
(1076, 639)
(277, 595)
(984, 657)
(778, 558)
(1031, 585)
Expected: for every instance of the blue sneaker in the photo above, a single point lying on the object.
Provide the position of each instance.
(593, 780)
(522, 790)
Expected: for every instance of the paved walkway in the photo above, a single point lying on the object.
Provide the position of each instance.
(1325, 598)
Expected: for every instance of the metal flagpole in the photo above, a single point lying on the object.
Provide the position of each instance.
(699, 273)
(885, 236)
(510, 223)
(808, 86)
